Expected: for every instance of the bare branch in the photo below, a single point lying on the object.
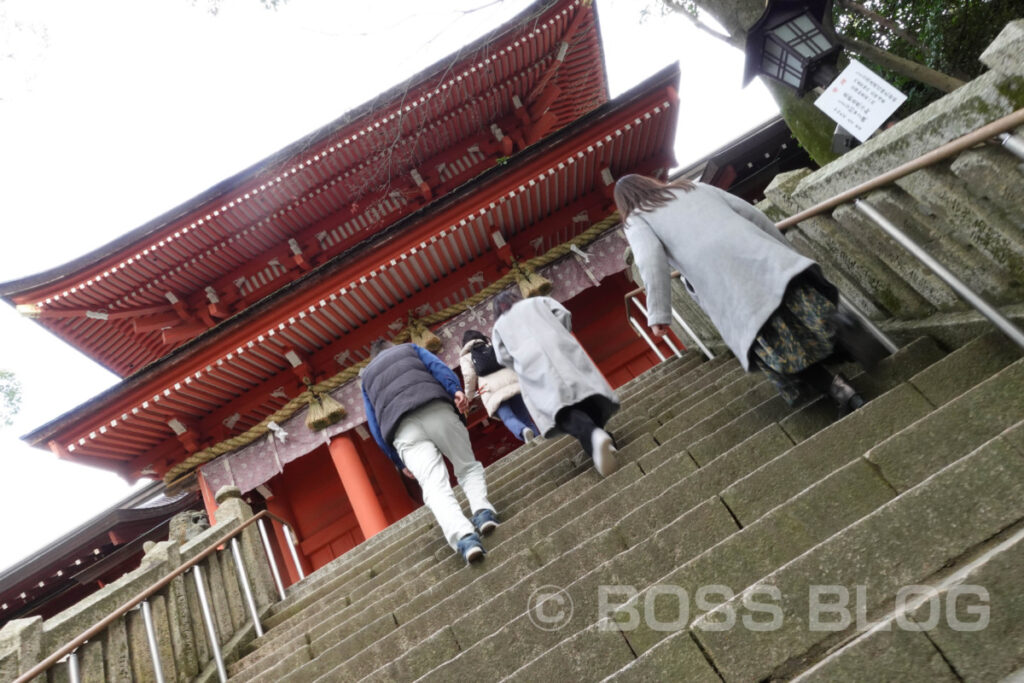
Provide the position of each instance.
(689, 11)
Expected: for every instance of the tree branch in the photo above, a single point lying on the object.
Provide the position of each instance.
(679, 8)
(914, 70)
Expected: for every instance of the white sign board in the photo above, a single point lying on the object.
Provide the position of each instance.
(860, 100)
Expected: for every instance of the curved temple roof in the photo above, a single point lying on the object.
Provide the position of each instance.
(133, 301)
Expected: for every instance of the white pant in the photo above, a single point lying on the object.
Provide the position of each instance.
(422, 436)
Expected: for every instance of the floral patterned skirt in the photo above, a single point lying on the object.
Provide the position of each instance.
(799, 334)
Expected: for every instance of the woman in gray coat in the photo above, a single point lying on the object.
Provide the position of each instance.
(772, 306)
(562, 387)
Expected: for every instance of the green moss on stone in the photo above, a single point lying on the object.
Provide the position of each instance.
(1013, 89)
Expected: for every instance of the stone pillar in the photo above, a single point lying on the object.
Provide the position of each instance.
(182, 623)
(358, 487)
(230, 506)
(21, 647)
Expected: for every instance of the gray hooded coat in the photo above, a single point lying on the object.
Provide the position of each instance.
(736, 262)
(554, 371)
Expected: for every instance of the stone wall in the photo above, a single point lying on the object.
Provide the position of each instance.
(121, 652)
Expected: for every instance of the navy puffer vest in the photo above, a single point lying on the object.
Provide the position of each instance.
(396, 382)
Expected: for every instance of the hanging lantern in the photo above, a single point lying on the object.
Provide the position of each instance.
(793, 43)
(530, 282)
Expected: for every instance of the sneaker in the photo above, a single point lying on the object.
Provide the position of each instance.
(470, 548)
(603, 452)
(485, 521)
(528, 435)
(845, 396)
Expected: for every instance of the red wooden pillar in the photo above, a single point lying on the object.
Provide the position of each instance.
(357, 485)
(209, 502)
(281, 508)
(391, 487)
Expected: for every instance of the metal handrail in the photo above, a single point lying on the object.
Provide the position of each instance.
(631, 296)
(96, 628)
(938, 154)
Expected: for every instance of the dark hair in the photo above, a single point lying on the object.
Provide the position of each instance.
(473, 334)
(503, 301)
(642, 193)
(378, 345)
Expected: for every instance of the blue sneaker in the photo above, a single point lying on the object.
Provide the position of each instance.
(470, 548)
(485, 521)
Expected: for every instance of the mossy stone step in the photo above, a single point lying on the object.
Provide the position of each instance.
(902, 543)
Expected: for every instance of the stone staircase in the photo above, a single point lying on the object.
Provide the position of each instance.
(730, 496)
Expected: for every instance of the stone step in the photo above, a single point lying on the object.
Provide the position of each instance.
(494, 564)
(709, 493)
(666, 384)
(501, 631)
(974, 417)
(904, 542)
(846, 559)
(624, 453)
(969, 627)
(781, 534)
(719, 372)
(839, 500)
(424, 613)
(712, 401)
(790, 529)
(690, 359)
(678, 506)
(290, 633)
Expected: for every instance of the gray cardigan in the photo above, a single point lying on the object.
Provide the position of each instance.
(734, 258)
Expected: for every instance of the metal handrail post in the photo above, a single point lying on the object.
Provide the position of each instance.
(154, 649)
(243, 579)
(696, 340)
(640, 330)
(643, 310)
(958, 286)
(270, 559)
(869, 324)
(74, 673)
(291, 549)
(211, 629)
(1013, 144)
(671, 345)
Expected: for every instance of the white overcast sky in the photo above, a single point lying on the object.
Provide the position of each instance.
(114, 111)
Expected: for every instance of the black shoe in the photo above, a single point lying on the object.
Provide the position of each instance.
(854, 342)
(845, 396)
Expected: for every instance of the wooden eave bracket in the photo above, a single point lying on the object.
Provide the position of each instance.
(186, 433)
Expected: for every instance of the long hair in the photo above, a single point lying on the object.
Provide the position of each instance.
(642, 193)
